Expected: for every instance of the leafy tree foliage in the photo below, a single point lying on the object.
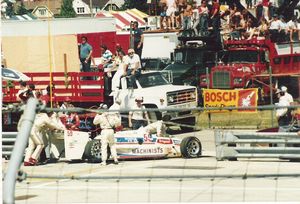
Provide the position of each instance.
(67, 10)
(10, 11)
(21, 9)
(138, 4)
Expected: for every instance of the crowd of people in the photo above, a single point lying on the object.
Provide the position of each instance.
(206, 17)
(180, 14)
(238, 25)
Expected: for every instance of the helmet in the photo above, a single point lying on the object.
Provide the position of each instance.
(103, 106)
(284, 89)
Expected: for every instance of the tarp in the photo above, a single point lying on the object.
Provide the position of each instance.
(123, 18)
(28, 54)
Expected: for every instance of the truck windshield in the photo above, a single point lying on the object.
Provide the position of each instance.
(152, 79)
(189, 56)
(242, 56)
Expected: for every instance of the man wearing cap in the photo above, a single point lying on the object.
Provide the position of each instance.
(107, 124)
(283, 115)
(287, 96)
(274, 28)
(133, 63)
(136, 119)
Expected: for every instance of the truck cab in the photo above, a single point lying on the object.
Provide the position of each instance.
(158, 92)
(247, 63)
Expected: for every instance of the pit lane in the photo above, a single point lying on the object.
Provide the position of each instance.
(165, 180)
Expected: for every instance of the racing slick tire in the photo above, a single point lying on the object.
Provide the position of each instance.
(191, 147)
(92, 151)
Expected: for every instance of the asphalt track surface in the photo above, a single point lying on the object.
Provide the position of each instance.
(167, 180)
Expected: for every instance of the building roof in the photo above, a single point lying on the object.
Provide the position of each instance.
(123, 18)
(54, 5)
(103, 3)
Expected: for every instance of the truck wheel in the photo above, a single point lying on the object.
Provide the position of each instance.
(191, 147)
(92, 151)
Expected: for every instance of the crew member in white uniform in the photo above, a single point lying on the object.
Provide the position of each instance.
(137, 119)
(107, 123)
(287, 96)
(35, 145)
(282, 114)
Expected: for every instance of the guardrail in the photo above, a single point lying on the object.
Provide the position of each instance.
(8, 142)
(233, 145)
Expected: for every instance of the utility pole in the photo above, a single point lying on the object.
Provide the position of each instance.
(91, 8)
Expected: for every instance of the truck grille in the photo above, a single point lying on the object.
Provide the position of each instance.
(179, 97)
(221, 79)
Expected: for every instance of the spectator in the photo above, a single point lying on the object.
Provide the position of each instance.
(263, 30)
(272, 9)
(137, 119)
(249, 4)
(259, 10)
(195, 18)
(215, 18)
(86, 51)
(187, 17)
(138, 37)
(293, 29)
(106, 56)
(181, 5)
(274, 28)
(171, 14)
(249, 29)
(121, 71)
(163, 16)
(265, 4)
(203, 15)
(284, 29)
(132, 65)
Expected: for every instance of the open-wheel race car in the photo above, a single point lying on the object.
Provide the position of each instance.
(130, 144)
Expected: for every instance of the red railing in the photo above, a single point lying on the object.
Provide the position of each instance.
(74, 85)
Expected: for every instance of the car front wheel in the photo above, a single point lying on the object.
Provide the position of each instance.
(191, 147)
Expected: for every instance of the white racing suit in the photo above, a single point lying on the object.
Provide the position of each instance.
(107, 122)
(35, 143)
(157, 127)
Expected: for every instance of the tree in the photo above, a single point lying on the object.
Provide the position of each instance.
(21, 9)
(10, 11)
(67, 10)
(138, 4)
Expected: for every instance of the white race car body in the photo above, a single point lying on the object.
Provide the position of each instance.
(131, 144)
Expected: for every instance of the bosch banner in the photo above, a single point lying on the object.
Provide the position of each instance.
(230, 98)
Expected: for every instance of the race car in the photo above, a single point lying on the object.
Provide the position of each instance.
(130, 144)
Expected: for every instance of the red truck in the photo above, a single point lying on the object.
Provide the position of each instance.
(250, 63)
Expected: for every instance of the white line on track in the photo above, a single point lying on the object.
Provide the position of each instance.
(100, 170)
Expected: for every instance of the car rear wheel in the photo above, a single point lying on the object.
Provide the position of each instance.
(92, 151)
(191, 147)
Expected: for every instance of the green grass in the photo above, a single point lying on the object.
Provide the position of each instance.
(259, 120)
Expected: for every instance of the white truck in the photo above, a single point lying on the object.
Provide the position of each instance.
(158, 92)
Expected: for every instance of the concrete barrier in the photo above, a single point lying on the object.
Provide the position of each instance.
(233, 145)
(8, 142)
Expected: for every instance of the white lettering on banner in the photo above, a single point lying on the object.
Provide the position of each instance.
(157, 150)
(297, 13)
